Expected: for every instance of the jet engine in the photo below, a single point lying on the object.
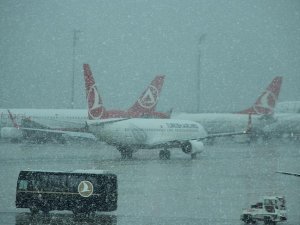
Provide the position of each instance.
(192, 147)
(11, 133)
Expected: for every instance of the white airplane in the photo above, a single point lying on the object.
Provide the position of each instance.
(261, 112)
(72, 119)
(285, 125)
(132, 134)
(129, 135)
(60, 119)
(286, 121)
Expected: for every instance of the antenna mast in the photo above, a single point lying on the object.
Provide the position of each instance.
(198, 91)
(75, 39)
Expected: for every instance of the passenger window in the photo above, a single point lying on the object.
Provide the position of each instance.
(23, 185)
(74, 182)
(44, 186)
(33, 185)
(93, 180)
(57, 182)
(30, 186)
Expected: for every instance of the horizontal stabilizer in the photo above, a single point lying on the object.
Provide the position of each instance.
(287, 173)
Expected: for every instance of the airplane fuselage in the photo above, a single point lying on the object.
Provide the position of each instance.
(285, 124)
(223, 122)
(147, 132)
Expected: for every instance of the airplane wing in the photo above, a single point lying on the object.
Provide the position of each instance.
(178, 143)
(51, 123)
(54, 126)
(104, 121)
(288, 173)
(230, 134)
(72, 124)
(211, 136)
(63, 132)
(63, 127)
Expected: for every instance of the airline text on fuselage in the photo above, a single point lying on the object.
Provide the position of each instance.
(180, 125)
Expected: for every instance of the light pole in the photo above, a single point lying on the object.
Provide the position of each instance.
(198, 91)
(75, 39)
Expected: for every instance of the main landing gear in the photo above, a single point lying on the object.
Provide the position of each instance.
(193, 155)
(126, 153)
(164, 154)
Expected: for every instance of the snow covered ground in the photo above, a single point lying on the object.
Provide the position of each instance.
(212, 189)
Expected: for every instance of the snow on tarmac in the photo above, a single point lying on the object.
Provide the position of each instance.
(212, 189)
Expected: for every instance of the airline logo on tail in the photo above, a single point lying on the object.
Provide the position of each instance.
(266, 103)
(144, 106)
(149, 98)
(95, 105)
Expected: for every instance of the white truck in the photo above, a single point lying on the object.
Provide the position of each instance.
(271, 210)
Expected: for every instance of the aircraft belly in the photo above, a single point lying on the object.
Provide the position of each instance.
(120, 138)
(159, 138)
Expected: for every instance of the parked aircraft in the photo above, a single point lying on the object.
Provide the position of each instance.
(61, 119)
(287, 121)
(133, 134)
(70, 119)
(285, 125)
(261, 112)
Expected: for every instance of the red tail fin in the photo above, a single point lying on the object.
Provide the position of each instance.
(95, 105)
(266, 102)
(149, 98)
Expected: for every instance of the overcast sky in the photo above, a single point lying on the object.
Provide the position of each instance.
(127, 43)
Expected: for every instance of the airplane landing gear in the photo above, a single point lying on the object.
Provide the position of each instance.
(193, 155)
(164, 154)
(126, 153)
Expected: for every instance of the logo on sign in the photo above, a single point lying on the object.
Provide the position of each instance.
(149, 98)
(94, 103)
(85, 188)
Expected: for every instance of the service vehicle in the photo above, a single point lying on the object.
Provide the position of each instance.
(271, 210)
(81, 191)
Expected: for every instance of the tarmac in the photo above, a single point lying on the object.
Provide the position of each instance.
(210, 190)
